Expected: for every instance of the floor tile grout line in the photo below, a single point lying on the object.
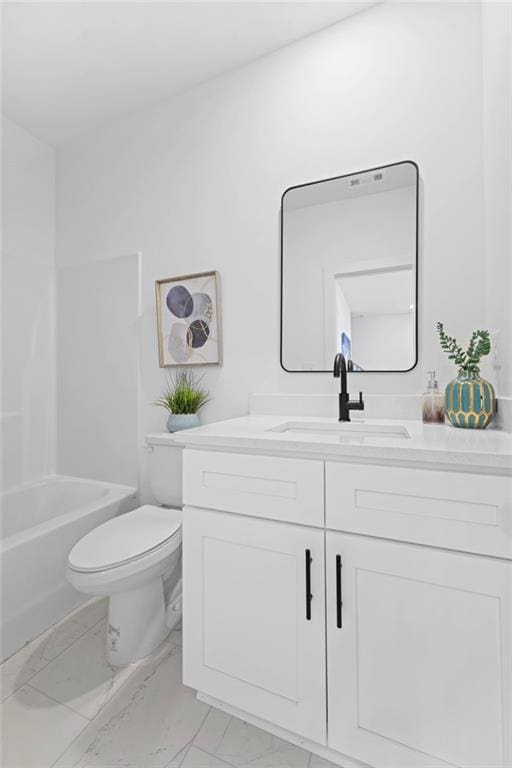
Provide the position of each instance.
(205, 751)
(66, 618)
(190, 742)
(230, 718)
(216, 757)
(59, 703)
(68, 746)
(202, 722)
(177, 760)
(27, 681)
(136, 664)
(185, 750)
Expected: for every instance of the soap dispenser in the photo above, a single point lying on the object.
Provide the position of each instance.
(433, 402)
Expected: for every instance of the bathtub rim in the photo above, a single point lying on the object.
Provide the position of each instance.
(116, 492)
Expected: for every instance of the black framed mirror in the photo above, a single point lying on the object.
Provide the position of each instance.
(349, 271)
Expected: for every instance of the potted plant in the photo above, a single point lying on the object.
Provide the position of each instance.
(183, 397)
(470, 401)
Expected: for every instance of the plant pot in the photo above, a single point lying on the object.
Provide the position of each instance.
(470, 401)
(179, 421)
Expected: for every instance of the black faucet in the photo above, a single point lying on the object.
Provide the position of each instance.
(346, 404)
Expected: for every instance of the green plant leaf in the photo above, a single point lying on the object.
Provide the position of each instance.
(183, 394)
(479, 346)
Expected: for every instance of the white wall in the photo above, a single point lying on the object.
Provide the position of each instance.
(97, 370)
(196, 184)
(28, 343)
(497, 153)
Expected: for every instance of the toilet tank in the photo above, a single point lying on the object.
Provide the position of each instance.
(164, 467)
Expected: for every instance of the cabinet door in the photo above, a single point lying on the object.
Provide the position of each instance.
(251, 636)
(419, 672)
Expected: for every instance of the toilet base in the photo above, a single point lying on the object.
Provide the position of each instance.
(136, 623)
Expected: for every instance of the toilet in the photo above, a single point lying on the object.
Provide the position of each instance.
(135, 560)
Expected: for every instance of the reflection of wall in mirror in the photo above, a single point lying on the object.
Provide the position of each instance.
(381, 315)
(322, 240)
(384, 342)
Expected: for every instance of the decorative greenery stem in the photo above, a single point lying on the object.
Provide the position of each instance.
(469, 360)
(183, 394)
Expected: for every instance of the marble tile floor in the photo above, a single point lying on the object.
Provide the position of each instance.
(63, 705)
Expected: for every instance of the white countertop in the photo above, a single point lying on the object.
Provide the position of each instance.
(443, 445)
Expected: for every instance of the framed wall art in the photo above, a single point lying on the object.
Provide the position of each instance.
(188, 320)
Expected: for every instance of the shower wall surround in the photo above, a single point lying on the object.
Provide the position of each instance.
(59, 384)
(28, 338)
(195, 184)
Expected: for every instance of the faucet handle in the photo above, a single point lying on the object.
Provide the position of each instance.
(361, 401)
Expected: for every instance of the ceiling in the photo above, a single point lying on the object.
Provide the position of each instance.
(69, 67)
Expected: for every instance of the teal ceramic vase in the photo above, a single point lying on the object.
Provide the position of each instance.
(178, 421)
(470, 401)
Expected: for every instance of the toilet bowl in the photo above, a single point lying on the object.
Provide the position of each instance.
(133, 558)
(128, 559)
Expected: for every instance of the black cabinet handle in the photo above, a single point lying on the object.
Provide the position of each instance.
(309, 596)
(339, 601)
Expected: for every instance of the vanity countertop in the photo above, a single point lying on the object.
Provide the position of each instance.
(442, 445)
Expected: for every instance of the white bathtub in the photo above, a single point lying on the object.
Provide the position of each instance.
(40, 524)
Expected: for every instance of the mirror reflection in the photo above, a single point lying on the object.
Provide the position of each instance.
(349, 262)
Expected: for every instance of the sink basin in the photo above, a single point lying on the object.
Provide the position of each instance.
(350, 431)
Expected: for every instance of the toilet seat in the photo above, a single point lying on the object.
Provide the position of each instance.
(127, 539)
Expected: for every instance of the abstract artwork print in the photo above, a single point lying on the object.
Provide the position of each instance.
(188, 320)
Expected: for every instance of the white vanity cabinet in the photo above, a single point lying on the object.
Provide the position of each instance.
(454, 510)
(419, 670)
(405, 660)
(254, 617)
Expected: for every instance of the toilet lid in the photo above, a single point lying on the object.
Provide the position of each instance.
(125, 538)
